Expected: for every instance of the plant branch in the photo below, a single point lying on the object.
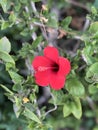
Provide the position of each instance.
(77, 4)
(55, 106)
(37, 109)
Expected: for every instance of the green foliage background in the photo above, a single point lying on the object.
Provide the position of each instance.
(26, 27)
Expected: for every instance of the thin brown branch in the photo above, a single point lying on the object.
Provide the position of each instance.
(78, 4)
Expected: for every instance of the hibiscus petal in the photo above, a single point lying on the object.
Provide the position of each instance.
(51, 53)
(41, 61)
(42, 78)
(64, 66)
(57, 81)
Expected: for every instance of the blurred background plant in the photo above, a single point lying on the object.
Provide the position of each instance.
(26, 27)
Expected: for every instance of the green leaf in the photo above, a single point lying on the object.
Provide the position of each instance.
(17, 106)
(15, 77)
(6, 57)
(87, 53)
(9, 66)
(96, 3)
(4, 5)
(94, 10)
(52, 21)
(67, 109)
(12, 17)
(32, 97)
(36, 42)
(73, 105)
(75, 87)
(24, 52)
(58, 97)
(76, 108)
(5, 45)
(93, 89)
(92, 72)
(92, 69)
(18, 6)
(25, 32)
(65, 23)
(93, 27)
(17, 87)
(4, 25)
(30, 115)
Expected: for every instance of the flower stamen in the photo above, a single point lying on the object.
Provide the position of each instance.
(43, 68)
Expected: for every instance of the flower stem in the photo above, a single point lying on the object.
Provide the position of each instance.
(55, 106)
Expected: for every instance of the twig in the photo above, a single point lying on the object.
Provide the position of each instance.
(77, 4)
(27, 62)
(76, 46)
(34, 8)
(37, 109)
(86, 25)
(45, 96)
(34, 36)
(81, 68)
(91, 103)
(39, 24)
(36, 14)
(55, 106)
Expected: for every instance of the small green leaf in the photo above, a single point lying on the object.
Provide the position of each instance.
(92, 72)
(17, 106)
(5, 45)
(4, 25)
(6, 57)
(25, 32)
(12, 17)
(96, 3)
(17, 87)
(94, 10)
(93, 69)
(52, 21)
(17, 110)
(93, 27)
(4, 5)
(30, 115)
(65, 23)
(76, 108)
(15, 77)
(75, 87)
(93, 89)
(36, 42)
(58, 97)
(17, 6)
(67, 109)
(87, 53)
(32, 97)
(9, 66)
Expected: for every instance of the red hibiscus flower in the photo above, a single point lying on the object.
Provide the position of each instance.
(51, 69)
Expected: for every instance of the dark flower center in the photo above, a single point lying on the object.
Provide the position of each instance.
(55, 67)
